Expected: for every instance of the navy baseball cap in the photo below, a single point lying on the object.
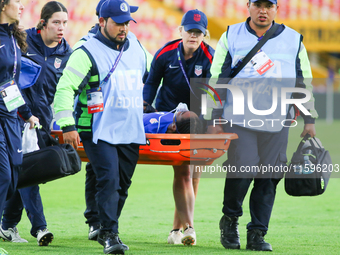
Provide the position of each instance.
(272, 1)
(118, 10)
(99, 5)
(195, 19)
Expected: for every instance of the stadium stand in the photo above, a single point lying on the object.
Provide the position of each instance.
(317, 20)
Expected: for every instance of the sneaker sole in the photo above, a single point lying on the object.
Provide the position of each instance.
(125, 247)
(101, 242)
(188, 240)
(21, 240)
(115, 249)
(231, 246)
(46, 239)
(259, 248)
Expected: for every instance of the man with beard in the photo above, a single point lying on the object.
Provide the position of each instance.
(91, 211)
(107, 73)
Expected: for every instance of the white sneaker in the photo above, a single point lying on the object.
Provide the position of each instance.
(189, 236)
(44, 237)
(175, 237)
(11, 235)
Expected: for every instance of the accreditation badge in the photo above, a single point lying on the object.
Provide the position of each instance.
(261, 62)
(95, 101)
(11, 95)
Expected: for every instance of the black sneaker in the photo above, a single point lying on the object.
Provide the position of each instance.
(126, 248)
(94, 231)
(102, 242)
(255, 241)
(111, 242)
(230, 238)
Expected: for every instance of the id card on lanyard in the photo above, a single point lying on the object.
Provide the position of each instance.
(261, 62)
(95, 102)
(11, 95)
(9, 91)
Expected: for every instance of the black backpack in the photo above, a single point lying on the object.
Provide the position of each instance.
(309, 170)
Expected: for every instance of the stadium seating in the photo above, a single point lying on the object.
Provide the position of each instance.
(317, 20)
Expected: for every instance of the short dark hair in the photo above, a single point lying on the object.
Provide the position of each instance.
(48, 10)
(190, 125)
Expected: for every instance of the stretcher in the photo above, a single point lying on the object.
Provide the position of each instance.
(175, 149)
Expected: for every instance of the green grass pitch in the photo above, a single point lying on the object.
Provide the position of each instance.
(299, 225)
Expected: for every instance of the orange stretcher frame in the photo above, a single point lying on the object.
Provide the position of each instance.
(175, 149)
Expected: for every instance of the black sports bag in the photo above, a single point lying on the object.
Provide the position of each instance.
(49, 163)
(309, 170)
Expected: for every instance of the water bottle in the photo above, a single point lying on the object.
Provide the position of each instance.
(307, 166)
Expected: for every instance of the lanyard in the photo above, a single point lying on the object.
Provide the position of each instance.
(259, 39)
(15, 58)
(114, 66)
(183, 71)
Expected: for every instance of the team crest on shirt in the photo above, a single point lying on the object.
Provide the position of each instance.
(57, 63)
(198, 70)
(153, 121)
(197, 17)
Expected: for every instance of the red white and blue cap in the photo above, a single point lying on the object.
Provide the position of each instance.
(118, 10)
(195, 19)
(272, 1)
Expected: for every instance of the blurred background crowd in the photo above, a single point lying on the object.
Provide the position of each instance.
(317, 20)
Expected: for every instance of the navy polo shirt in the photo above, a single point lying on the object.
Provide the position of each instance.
(175, 88)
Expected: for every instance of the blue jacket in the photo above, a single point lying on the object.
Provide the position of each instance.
(7, 67)
(175, 88)
(40, 96)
